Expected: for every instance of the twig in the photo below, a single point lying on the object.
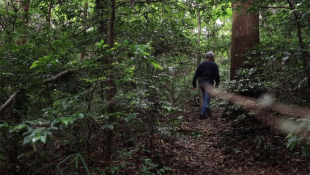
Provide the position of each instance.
(10, 101)
(2, 23)
(54, 78)
(187, 101)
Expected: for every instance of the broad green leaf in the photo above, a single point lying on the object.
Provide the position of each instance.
(167, 9)
(107, 126)
(81, 115)
(5, 125)
(36, 138)
(156, 65)
(145, 54)
(27, 139)
(65, 122)
(34, 64)
(43, 138)
(125, 42)
(18, 127)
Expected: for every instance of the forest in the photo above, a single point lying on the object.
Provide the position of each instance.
(105, 87)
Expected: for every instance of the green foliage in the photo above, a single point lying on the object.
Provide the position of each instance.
(148, 166)
(279, 64)
(59, 125)
(299, 137)
(76, 158)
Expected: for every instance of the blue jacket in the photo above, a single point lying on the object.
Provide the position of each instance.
(207, 70)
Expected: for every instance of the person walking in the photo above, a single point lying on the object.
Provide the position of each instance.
(206, 73)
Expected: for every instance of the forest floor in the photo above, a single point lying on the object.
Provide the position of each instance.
(221, 146)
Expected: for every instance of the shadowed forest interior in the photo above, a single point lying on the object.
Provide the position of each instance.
(105, 87)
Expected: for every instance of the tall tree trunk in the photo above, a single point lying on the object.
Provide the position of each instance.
(301, 44)
(101, 10)
(48, 21)
(111, 91)
(84, 34)
(26, 6)
(19, 108)
(245, 35)
(199, 54)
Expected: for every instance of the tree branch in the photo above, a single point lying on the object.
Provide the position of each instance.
(271, 7)
(10, 101)
(61, 74)
(120, 4)
(274, 7)
(2, 23)
(87, 27)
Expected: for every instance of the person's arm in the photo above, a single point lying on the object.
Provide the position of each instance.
(195, 77)
(216, 76)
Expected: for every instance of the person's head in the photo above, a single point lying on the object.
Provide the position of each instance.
(210, 56)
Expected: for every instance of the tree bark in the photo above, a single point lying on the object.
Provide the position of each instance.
(245, 35)
(61, 74)
(199, 54)
(84, 26)
(25, 18)
(49, 15)
(101, 9)
(301, 44)
(111, 91)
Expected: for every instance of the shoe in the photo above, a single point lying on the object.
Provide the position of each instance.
(202, 117)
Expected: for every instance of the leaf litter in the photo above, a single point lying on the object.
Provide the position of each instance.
(215, 146)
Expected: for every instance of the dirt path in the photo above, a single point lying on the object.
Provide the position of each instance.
(216, 146)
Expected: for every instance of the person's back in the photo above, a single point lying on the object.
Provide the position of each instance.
(206, 73)
(207, 70)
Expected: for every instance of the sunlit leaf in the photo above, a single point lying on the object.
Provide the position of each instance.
(156, 65)
(36, 138)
